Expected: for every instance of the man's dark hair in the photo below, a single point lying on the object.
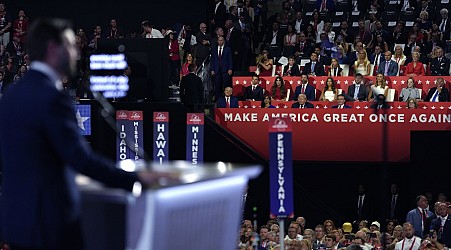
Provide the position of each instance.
(358, 74)
(341, 95)
(43, 31)
(192, 67)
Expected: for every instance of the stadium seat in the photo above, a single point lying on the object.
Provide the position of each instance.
(345, 71)
(390, 95)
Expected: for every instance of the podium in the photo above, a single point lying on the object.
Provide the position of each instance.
(203, 211)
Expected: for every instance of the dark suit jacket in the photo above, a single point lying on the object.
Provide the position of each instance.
(392, 68)
(222, 102)
(444, 235)
(401, 208)
(220, 16)
(345, 106)
(367, 211)
(234, 42)
(362, 95)
(191, 90)
(202, 51)
(379, 59)
(442, 97)
(330, 5)
(319, 69)
(306, 50)
(40, 200)
(307, 105)
(440, 69)
(309, 92)
(256, 95)
(293, 72)
(226, 60)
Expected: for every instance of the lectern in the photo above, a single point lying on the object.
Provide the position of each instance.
(201, 211)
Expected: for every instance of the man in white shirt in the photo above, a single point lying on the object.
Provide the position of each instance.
(149, 31)
(410, 242)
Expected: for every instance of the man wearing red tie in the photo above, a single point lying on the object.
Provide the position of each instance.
(227, 101)
(417, 216)
(221, 66)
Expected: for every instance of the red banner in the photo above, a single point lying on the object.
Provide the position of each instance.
(323, 134)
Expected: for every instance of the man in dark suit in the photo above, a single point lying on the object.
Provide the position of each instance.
(440, 64)
(253, 92)
(411, 44)
(244, 26)
(444, 22)
(234, 41)
(302, 103)
(388, 67)
(408, 5)
(202, 49)
(341, 103)
(40, 200)
(304, 49)
(396, 205)
(192, 90)
(380, 104)
(305, 88)
(228, 100)
(361, 206)
(325, 5)
(221, 66)
(218, 14)
(291, 69)
(358, 90)
(438, 93)
(299, 23)
(377, 57)
(353, 55)
(442, 225)
(314, 67)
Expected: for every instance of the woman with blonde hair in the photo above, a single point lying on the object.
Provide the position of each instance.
(399, 56)
(306, 245)
(415, 67)
(380, 87)
(362, 64)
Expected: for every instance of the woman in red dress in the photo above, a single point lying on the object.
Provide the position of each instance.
(278, 90)
(415, 67)
(21, 25)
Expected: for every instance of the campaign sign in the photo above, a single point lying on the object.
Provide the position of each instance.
(280, 168)
(130, 139)
(83, 114)
(195, 138)
(161, 137)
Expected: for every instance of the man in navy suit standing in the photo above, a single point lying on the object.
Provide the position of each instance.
(442, 225)
(221, 66)
(41, 148)
(388, 67)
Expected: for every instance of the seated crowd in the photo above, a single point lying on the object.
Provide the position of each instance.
(416, 230)
(307, 37)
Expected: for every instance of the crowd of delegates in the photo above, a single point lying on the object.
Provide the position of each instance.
(239, 34)
(422, 228)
